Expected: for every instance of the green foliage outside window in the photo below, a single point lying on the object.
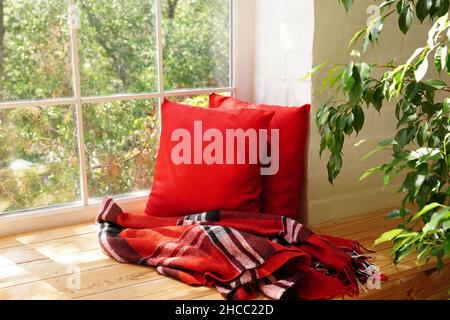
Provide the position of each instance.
(39, 163)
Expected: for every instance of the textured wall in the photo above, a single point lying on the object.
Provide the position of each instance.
(292, 36)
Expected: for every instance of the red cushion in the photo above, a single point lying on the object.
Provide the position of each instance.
(282, 192)
(181, 189)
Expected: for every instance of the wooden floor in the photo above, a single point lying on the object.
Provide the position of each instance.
(40, 265)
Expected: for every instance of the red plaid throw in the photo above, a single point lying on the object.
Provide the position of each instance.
(239, 253)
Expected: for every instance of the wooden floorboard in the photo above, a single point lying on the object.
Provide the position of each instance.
(38, 265)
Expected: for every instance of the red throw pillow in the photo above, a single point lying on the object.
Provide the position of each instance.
(285, 192)
(186, 186)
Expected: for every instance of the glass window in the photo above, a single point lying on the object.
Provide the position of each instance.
(117, 47)
(121, 144)
(38, 157)
(193, 100)
(196, 38)
(117, 62)
(35, 48)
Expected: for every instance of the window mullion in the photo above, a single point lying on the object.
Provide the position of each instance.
(74, 24)
(233, 46)
(159, 55)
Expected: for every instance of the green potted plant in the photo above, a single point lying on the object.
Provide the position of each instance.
(420, 149)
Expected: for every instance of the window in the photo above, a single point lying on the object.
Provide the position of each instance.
(81, 82)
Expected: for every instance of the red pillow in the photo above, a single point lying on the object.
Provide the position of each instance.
(186, 187)
(285, 192)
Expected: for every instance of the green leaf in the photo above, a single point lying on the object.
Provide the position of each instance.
(420, 178)
(409, 183)
(447, 247)
(398, 108)
(435, 219)
(440, 58)
(369, 172)
(359, 74)
(435, 8)
(447, 65)
(387, 177)
(347, 4)
(421, 69)
(399, 213)
(423, 133)
(382, 145)
(423, 254)
(426, 209)
(332, 78)
(415, 54)
(404, 136)
(323, 145)
(377, 98)
(340, 123)
(446, 106)
(314, 70)
(422, 9)
(400, 6)
(370, 153)
(360, 142)
(322, 116)
(364, 71)
(355, 53)
(347, 77)
(330, 140)
(355, 94)
(358, 121)
(405, 19)
(387, 143)
(356, 36)
(334, 166)
(425, 155)
(411, 91)
(348, 127)
(396, 213)
(446, 225)
(368, 96)
(428, 108)
(444, 6)
(436, 84)
(434, 141)
(388, 236)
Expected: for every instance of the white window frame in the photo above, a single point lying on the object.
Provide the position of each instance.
(241, 30)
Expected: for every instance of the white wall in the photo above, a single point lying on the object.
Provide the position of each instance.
(292, 36)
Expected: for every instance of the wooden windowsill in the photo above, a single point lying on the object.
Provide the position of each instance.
(38, 265)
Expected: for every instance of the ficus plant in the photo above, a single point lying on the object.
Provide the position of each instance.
(420, 148)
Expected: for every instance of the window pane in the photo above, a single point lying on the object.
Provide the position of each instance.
(122, 140)
(117, 47)
(196, 100)
(196, 43)
(38, 157)
(36, 52)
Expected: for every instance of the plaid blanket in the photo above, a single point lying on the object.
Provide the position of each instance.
(239, 253)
